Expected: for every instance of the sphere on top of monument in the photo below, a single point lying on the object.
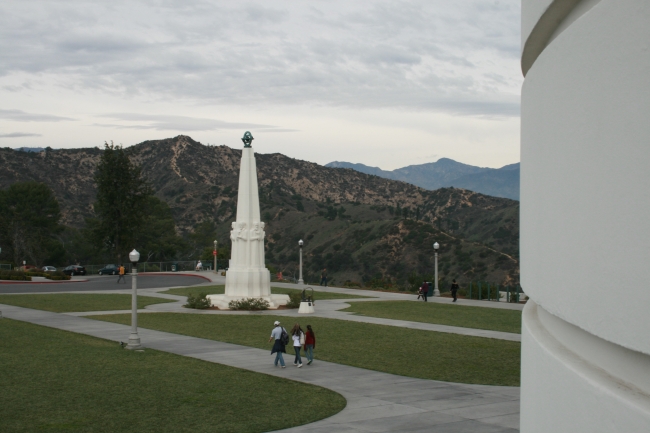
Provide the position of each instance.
(247, 139)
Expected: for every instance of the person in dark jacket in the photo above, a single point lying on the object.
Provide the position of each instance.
(278, 345)
(454, 290)
(424, 291)
(310, 344)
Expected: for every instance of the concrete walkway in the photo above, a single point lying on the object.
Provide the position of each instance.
(377, 402)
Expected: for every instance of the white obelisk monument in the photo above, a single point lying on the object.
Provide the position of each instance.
(247, 276)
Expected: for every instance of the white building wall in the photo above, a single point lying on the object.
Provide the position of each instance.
(585, 215)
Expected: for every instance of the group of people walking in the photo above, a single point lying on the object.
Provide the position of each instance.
(424, 291)
(301, 339)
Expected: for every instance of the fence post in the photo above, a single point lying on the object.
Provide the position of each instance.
(489, 294)
(498, 294)
(480, 291)
(470, 290)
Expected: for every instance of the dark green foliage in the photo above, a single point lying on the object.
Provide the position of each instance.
(294, 300)
(15, 276)
(121, 205)
(29, 224)
(157, 238)
(200, 302)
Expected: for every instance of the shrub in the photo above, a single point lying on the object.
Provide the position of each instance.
(294, 300)
(15, 276)
(56, 276)
(200, 302)
(249, 304)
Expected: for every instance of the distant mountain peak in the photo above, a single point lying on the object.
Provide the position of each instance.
(446, 172)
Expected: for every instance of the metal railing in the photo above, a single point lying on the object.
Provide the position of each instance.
(486, 292)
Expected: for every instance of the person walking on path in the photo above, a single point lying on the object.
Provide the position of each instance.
(279, 344)
(298, 340)
(310, 343)
(121, 277)
(424, 291)
(323, 277)
(454, 290)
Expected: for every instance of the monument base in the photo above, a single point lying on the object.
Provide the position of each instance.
(222, 301)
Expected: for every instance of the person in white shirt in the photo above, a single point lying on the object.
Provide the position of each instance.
(298, 340)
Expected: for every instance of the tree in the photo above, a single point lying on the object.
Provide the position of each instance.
(201, 239)
(122, 197)
(29, 220)
(157, 239)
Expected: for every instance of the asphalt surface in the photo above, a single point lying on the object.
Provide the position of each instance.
(107, 282)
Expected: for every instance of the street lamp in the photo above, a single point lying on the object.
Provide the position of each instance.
(300, 281)
(134, 338)
(436, 291)
(215, 256)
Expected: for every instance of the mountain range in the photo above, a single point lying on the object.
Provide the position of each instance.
(360, 227)
(501, 182)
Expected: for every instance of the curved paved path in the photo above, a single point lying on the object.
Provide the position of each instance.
(377, 402)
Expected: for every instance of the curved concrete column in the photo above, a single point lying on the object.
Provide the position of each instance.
(585, 201)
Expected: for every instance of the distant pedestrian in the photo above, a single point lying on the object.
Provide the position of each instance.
(454, 290)
(424, 290)
(121, 271)
(310, 344)
(278, 345)
(298, 338)
(323, 277)
(199, 266)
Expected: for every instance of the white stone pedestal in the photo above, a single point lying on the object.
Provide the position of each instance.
(306, 308)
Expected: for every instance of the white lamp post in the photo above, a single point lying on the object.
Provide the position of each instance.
(300, 281)
(134, 338)
(436, 292)
(215, 256)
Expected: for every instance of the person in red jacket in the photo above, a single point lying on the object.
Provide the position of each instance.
(310, 343)
(424, 291)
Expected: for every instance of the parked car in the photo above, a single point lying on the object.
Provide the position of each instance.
(27, 268)
(74, 270)
(48, 269)
(109, 270)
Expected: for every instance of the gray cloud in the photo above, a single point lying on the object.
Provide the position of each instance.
(21, 116)
(19, 135)
(178, 123)
(436, 55)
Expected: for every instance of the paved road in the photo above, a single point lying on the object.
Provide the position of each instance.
(107, 282)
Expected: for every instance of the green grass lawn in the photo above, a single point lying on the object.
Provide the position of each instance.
(220, 290)
(443, 314)
(407, 352)
(68, 302)
(60, 381)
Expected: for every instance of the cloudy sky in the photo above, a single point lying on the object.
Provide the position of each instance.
(385, 83)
